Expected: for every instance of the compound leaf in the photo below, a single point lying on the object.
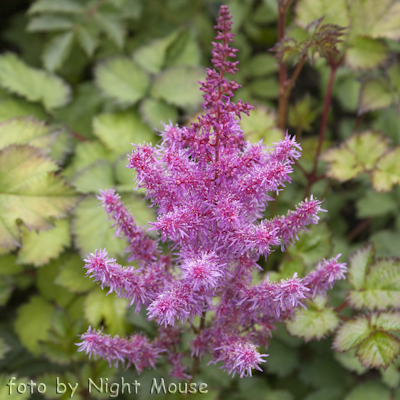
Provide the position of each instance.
(351, 334)
(49, 23)
(31, 83)
(122, 80)
(387, 321)
(359, 263)
(30, 192)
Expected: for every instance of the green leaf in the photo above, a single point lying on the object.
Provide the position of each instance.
(376, 19)
(98, 175)
(261, 124)
(48, 23)
(183, 50)
(118, 131)
(55, 6)
(267, 88)
(302, 115)
(31, 83)
(14, 108)
(57, 50)
(125, 177)
(387, 171)
(260, 65)
(7, 393)
(352, 333)
(33, 323)
(4, 348)
(88, 40)
(375, 94)
(56, 352)
(334, 12)
(313, 323)
(327, 393)
(6, 289)
(39, 248)
(8, 265)
(31, 193)
(366, 53)
(370, 390)
(113, 27)
(179, 86)
(61, 147)
(359, 263)
(109, 308)
(350, 361)
(122, 80)
(387, 321)
(155, 112)
(374, 204)
(282, 359)
(394, 75)
(27, 131)
(378, 350)
(73, 276)
(357, 154)
(391, 377)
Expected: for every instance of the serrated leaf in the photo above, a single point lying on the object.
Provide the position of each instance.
(88, 40)
(179, 86)
(333, 12)
(30, 192)
(122, 80)
(359, 263)
(313, 323)
(376, 19)
(261, 124)
(39, 248)
(374, 204)
(378, 350)
(14, 108)
(112, 309)
(387, 171)
(260, 65)
(48, 23)
(125, 177)
(31, 83)
(61, 147)
(375, 94)
(366, 53)
(183, 50)
(98, 175)
(13, 395)
(113, 27)
(351, 334)
(155, 112)
(350, 361)
(118, 131)
(55, 6)
(282, 359)
(302, 115)
(370, 390)
(57, 50)
(358, 153)
(73, 276)
(27, 131)
(33, 323)
(387, 321)
(266, 88)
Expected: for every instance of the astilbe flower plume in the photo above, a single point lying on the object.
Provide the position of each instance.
(210, 188)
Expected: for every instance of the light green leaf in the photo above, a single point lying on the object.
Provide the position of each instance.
(122, 80)
(31, 83)
(38, 248)
(375, 94)
(377, 19)
(350, 361)
(334, 12)
(387, 321)
(374, 299)
(6, 288)
(118, 131)
(88, 40)
(112, 309)
(378, 350)
(33, 323)
(358, 153)
(61, 147)
(10, 393)
(57, 353)
(48, 23)
(302, 114)
(352, 333)
(374, 204)
(394, 75)
(183, 50)
(370, 390)
(260, 65)
(267, 88)
(326, 393)
(30, 192)
(14, 108)
(55, 6)
(387, 171)
(313, 323)
(8, 265)
(98, 175)
(391, 377)
(366, 53)
(359, 263)
(113, 27)
(179, 86)
(282, 360)
(27, 131)
(57, 50)
(73, 276)
(155, 112)
(261, 124)
(125, 177)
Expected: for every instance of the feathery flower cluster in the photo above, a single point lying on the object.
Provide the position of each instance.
(210, 189)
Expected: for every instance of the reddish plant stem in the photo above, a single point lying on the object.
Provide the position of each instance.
(312, 176)
(79, 137)
(342, 306)
(358, 229)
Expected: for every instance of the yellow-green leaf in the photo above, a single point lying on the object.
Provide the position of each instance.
(387, 171)
(359, 263)
(334, 12)
(351, 334)
(375, 94)
(366, 53)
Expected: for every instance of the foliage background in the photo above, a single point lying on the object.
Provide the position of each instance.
(81, 81)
